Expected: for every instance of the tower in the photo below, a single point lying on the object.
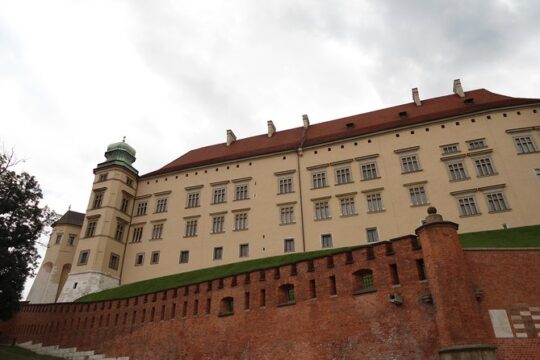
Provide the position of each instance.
(99, 254)
(58, 259)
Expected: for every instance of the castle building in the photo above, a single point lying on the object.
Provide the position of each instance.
(344, 182)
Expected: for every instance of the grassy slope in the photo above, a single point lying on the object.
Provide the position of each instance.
(528, 236)
(17, 353)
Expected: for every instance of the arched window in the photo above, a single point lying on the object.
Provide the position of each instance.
(226, 307)
(286, 294)
(363, 281)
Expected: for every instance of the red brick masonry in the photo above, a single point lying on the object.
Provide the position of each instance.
(332, 312)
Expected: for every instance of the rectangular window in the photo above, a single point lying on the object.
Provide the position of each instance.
(326, 241)
(184, 257)
(240, 221)
(98, 199)
(103, 177)
(484, 167)
(157, 231)
(141, 208)
(369, 171)
(91, 228)
(372, 235)
(244, 250)
(318, 179)
(139, 259)
(476, 144)
(418, 195)
(193, 199)
(286, 215)
(285, 185)
(496, 202)
(322, 210)
(343, 175)
(456, 171)
(450, 149)
(289, 245)
(524, 144)
(58, 239)
(218, 196)
(218, 253)
(114, 261)
(420, 267)
(218, 224)
(537, 172)
(409, 163)
(71, 240)
(129, 182)
(161, 205)
(191, 228)
(119, 234)
(137, 234)
(125, 205)
(347, 206)
(374, 202)
(467, 206)
(154, 258)
(241, 192)
(83, 257)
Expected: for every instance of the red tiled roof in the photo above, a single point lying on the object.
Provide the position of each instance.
(348, 127)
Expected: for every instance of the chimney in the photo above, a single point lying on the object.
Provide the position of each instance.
(305, 120)
(271, 128)
(416, 97)
(458, 90)
(230, 137)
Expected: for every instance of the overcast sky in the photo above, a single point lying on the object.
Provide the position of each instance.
(76, 76)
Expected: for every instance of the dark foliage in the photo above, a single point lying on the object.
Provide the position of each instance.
(22, 221)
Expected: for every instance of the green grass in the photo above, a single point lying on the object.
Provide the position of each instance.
(17, 353)
(198, 276)
(527, 236)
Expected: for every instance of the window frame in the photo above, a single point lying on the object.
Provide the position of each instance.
(461, 171)
(326, 241)
(415, 196)
(137, 233)
(218, 253)
(476, 144)
(241, 191)
(140, 255)
(219, 195)
(285, 184)
(161, 205)
(487, 168)
(218, 224)
(409, 163)
(501, 199)
(374, 202)
(467, 205)
(371, 173)
(142, 208)
(240, 221)
(191, 227)
(184, 257)
(286, 215)
(524, 148)
(193, 199)
(86, 254)
(347, 203)
(243, 250)
(369, 235)
(343, 175)
(319, 179)
(157, 231)
(154, 257)
(322, 209)
(114, 264)
(288, 245)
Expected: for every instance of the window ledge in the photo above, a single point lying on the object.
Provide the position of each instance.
(225, 314)
(411, 172)
(493, 174)
(240, 229)
(156, 239)
(364, 291)
(376, 211)
(288, 303)
(472, 215)
(420, 205)
(373, 178)
(323, 219)
(218, 203)
(285, 224)
(241, 199)
(529, 152)
(499, 211)
(283, 193)
(350, 215)
(345, 183)
(190, 236)
(217, 233)
(462, 179)
(192, 207)
(319, 187)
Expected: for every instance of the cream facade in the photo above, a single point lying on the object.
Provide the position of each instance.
(480, 168)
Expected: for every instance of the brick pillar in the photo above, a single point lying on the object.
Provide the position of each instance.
(461, 332)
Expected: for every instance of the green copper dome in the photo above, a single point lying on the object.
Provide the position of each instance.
(120, 153)
(121, 146)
